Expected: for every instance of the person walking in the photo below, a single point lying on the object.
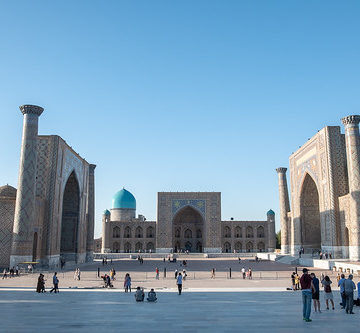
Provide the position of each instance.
(157, 273)
(243, 271)
(176, 273)
(213, 273)
(250, 274)
(293, 281)
(328, 293)
(76, 274)
(342, 291)
(4, 274)
(127, 283)
(316, 292)
(307, 288)
(55, 283)
(179, 283)
(297, 282)
(349, 287)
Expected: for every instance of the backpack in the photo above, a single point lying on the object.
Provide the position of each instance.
(327, 288)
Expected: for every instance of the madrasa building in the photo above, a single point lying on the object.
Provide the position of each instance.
(324, 214)
(186, 221)
(50, 216)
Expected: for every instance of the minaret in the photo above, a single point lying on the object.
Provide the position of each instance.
(22, 242)
(271, 230)
(352, 139)
(105, 246)
(91, 213)
(284, 209)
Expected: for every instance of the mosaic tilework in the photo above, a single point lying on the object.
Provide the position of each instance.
(198, 204)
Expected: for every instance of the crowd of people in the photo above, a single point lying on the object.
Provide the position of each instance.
(11, 272)
(310, 288)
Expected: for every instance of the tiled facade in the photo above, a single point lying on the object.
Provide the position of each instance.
(187, 221)
(321, 215)
(42, 235)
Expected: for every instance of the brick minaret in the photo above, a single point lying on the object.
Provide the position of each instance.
(352, 139)
(284, 209)
(22, 243)
(91, 213)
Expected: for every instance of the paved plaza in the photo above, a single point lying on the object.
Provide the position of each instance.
(207, 305)
(111, 311)
(265, 274)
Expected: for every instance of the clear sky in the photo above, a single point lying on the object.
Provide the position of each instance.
(179, 95)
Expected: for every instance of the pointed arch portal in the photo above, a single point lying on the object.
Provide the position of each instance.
(310, 215)
(188, 230)
(70, 219)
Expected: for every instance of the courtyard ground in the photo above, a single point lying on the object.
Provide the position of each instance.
(111, 311)
(265, 274)
(207, 305)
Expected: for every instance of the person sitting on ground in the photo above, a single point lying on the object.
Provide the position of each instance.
(152, 296)
(139, 294)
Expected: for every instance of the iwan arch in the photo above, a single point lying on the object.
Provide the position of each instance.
(325, 194)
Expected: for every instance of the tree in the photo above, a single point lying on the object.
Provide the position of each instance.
(278, 240)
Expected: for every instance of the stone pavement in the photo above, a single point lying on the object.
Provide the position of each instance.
(265, 274)
(114, 311)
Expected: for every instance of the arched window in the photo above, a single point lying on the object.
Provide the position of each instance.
(238, 232)
(249, 232)
(238, 247)
(177, 233)
(188, 233)
(138, 232)
(150, 232)
(227, 232)
(150, 246)
(249, 247)
(198, 233)
(127, 232)
(138, 247)
(116, 247)
(116, 232)
(261, 247)
(177, 247)
(260, 232)
(127, 247)
(227, 247)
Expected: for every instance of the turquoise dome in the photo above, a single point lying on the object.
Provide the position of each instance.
(106, 212)
(123, 199)
(270, 212)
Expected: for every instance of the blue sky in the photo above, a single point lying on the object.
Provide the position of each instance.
(179, 95)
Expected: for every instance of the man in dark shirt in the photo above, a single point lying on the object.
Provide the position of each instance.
(307, 288)
(316, 293)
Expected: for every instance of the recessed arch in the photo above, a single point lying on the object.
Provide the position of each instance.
(227, 247)
(187, 225)
(116, 247)
(70, 219)
(310, 214)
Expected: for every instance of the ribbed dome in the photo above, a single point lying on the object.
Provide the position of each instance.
(8, 191)
(270, 212)
(123, 200)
